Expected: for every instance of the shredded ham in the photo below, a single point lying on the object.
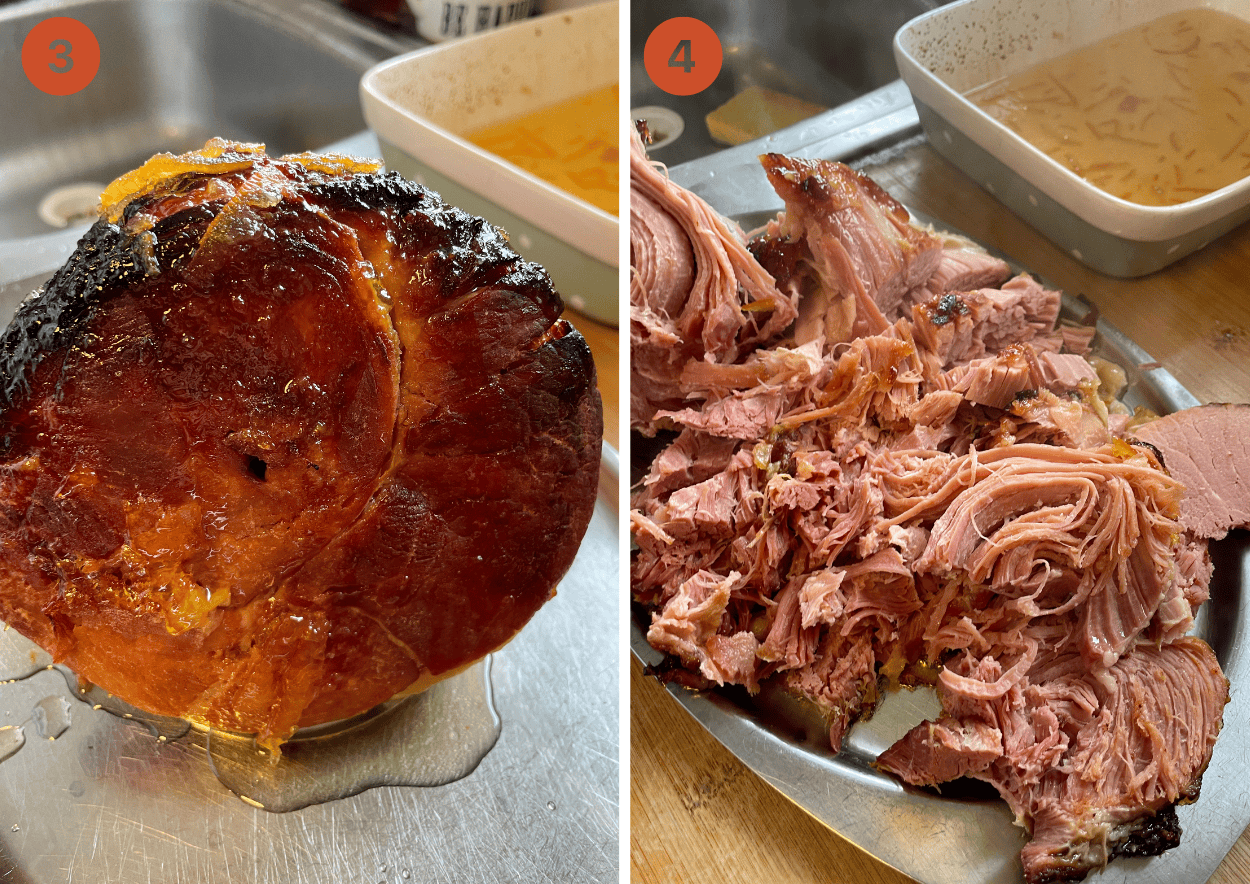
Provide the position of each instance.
(696, 293)
(856, 242)
(1080, 757)
(918, 472)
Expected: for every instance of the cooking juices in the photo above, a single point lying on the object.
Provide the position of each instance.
(427, 739)
(572, 145)
(1157, 115)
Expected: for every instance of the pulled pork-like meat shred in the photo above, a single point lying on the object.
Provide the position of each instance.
(696, 294)
(916, 479)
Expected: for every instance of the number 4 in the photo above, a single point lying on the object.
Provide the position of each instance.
(682, 57)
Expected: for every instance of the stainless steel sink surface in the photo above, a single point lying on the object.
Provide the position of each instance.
(826, 52)
(173, 73)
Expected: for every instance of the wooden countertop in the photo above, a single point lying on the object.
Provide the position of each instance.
(696, 813)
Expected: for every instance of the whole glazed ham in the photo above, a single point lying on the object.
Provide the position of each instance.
(285, 437)
(926, 479)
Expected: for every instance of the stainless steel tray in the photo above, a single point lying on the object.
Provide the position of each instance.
(109, 801)
(972, 840)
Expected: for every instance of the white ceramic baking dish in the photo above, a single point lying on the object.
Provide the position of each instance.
(421, 105)
(945, 53)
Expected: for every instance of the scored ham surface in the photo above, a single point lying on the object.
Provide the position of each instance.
(285, 437)
(922, 484)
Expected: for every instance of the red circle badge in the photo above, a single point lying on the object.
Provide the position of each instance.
(60, 56)
(682, 56)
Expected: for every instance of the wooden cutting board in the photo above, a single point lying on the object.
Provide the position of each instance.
(755, 112)
(696, 813)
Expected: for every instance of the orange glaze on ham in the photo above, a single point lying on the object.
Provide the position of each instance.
(285, 437)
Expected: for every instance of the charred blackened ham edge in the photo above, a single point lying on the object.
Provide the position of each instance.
(926, 478)
(285, 437)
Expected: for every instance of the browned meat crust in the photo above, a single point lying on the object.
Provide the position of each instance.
(283, 439)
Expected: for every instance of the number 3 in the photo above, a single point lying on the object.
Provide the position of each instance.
(61, 50)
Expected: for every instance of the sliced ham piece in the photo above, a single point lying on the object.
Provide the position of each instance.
(841, 680)
(692, 457)
(944, 750)
(964, 266)
(1208, 450)
(661, 256)
(1017, 374)
(688, 625)
(956, 327)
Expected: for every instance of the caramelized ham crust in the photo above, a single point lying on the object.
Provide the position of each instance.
(286, 437)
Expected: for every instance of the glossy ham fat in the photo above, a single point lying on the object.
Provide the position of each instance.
(286, 437)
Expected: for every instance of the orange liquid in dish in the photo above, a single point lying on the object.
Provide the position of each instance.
(1156, 115)
(573, 145)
